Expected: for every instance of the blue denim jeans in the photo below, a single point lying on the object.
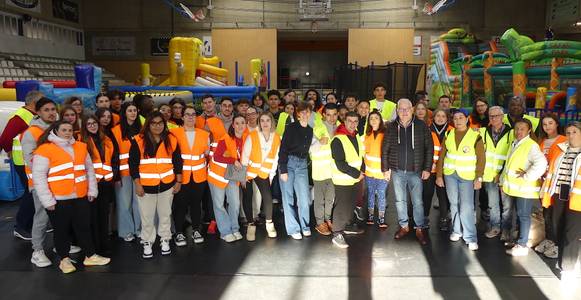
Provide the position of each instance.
(498, 220)
(402, 180)
(128, 217)
(297, 183)
(461, 195)
(376, 187)
(524, 209)
(226, 218)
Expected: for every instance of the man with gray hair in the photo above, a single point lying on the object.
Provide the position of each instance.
(517, 111)
(10, 142)
(406, 160)
(497, 138)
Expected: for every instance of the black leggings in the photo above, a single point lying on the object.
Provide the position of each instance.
(570, 240)
(264, 188)
(428, 193)
(100, 217)
(190, 196)
(71, 215)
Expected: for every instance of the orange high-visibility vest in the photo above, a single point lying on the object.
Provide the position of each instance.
(217, 170)
(66, 174)
(194, 158)
(216, 128)
(159, 169)
(36, 132)
(553, 152)
(551, 182)
(437, 149)
(257, 165)
(115, 119)
(372, 157)
(124, 146)
(102, 165)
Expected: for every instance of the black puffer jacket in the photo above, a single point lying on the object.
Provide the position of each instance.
(423, 147)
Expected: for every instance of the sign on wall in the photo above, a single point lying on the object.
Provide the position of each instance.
(207, 47)
(113, 46)
(159, 46)
(417, 50)
(30, 5)
(66, 10)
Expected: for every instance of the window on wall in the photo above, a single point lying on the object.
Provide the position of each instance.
(36, 29)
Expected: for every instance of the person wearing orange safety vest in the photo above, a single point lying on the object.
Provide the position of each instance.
(521, 180)
(376, 183)
(260, 156)
(10, 143)
(561, 191)
(227, 153)
(127, 209)
(104, 156)
(64, 180)
(46, 114)
(194, 146)
(439, 128)
(550, 138)
(155, 164)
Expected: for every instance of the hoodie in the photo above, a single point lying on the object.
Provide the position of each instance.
(338, 152)
(40, 168)
(28, 142)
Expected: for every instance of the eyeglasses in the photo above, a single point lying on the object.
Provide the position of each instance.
(190, 115)
(496, 116)
(91, 124)
(156, 123)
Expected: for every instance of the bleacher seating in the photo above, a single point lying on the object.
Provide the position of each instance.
(28, 67)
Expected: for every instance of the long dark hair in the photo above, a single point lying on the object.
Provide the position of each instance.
(475, 116)
(231, 131)
(542, 133)
(123, 122)
(86, 135)
(67, 108)
(99, 114)
(149, 144)
(369, 130)
(54, 127)
(318, 102)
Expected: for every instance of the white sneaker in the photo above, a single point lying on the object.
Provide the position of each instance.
(74, 249)
(147, 250)
(251, 233)
(229, 238)
(165, 248)
(270, 230)
(129, 238)
(307, 233)
(197, 237)
(492, 233)
(454, 237)
(237, 235)
(473, 246)
(39, 259)
(339, 241)
(518, 250)
(552, 252)
(296, 236)
(180, 240)
(544, 246)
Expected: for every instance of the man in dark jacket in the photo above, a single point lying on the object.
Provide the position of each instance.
(406, 159)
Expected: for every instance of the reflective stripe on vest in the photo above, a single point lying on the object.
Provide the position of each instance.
(257, 165)
(36, 132)
(124, 146)
(495, 155)
(16, 153)
(321, 160)
(281, 123)
(217, 170)
(102, 165)
(549, 187)
(386, 111)
(159, 169)
(352, 158)
(461, 159)
(437, 149)
(373, 155)
(66, 175)
(513, 185)
(194, 157)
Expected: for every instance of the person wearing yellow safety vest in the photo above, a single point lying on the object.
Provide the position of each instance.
(127, 207)
(10, 143)
(145, 105)
(517, 111)
(384, 106)
(104, 156)
(46, 114)
(376, 183)
(260, 156)
(462, 169)
(321, 162)
(294, 178)
(406, 159)
(347, 171)
(497, 138)
(521, 181)
(562, 191)
(155, 164)
(65, 182)
(194, 147)
(362, 110)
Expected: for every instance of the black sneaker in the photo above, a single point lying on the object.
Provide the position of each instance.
(359, 213)
(370, 220)
(21, 234)
(444, 225)
(353, 229)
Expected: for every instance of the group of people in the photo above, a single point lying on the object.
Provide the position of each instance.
(228, 164)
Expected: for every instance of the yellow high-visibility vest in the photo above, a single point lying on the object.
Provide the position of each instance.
(353, 158)
(461, 159)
